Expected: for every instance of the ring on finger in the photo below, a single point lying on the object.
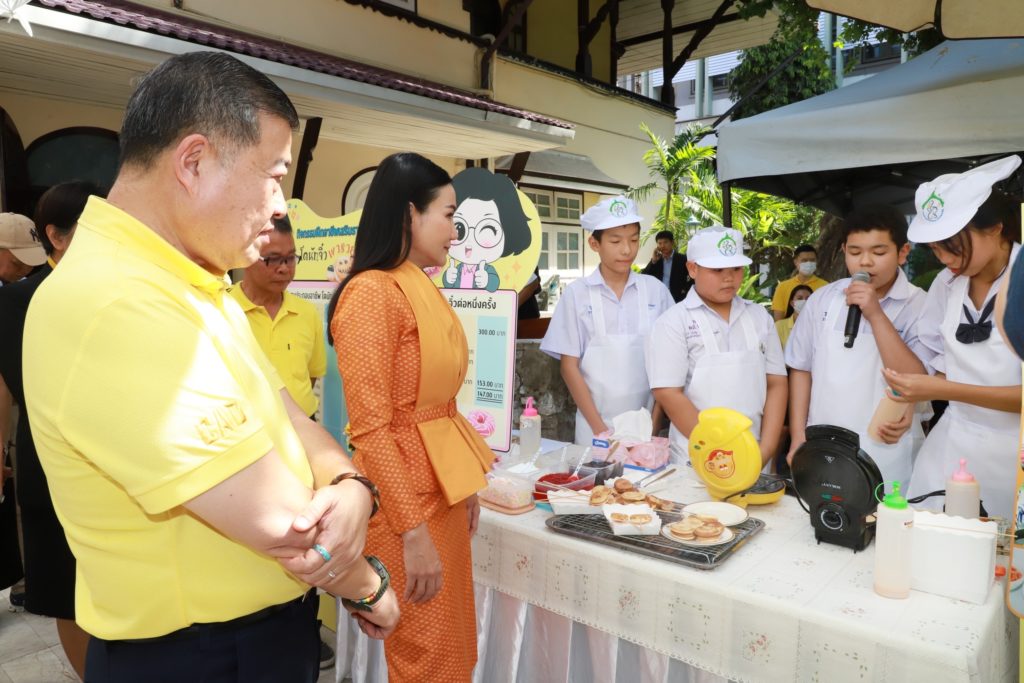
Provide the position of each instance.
(324, 553)
(332, 575)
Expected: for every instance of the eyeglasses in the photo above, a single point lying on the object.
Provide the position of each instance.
(488, 233)
(278, 261)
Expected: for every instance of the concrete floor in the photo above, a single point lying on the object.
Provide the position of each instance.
(31, 653)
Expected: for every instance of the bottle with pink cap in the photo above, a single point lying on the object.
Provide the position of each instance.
(963, 493)
(529, 430)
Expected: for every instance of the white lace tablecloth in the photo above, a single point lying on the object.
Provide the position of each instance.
(783, 608)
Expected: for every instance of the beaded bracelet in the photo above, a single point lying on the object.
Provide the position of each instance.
(374, 493)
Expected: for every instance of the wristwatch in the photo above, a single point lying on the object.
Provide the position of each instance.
(366, 604)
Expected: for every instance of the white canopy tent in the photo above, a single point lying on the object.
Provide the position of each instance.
(960, 104)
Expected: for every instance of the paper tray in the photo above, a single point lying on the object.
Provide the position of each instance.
(595, 528)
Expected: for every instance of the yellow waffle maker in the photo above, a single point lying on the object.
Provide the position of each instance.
(725, 454)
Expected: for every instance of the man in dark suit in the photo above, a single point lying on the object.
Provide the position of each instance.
(668, 266)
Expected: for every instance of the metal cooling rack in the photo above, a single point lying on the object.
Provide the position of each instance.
(596, 528)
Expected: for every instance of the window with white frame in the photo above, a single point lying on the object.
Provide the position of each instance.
(561, 250)
(568, 206)
(542, 200)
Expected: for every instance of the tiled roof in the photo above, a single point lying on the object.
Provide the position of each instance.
(191, 30)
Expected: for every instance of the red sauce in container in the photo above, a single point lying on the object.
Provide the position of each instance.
(556, 478)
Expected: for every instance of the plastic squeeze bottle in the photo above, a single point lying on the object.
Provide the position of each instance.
(963, 493)
(895, 519)
(888, 410)
(529, 430)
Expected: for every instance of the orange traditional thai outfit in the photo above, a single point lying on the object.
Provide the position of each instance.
(402, 358)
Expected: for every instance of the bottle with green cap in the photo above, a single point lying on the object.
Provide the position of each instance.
(895, 519)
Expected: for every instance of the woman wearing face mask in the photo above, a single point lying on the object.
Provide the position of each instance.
(797, 298)
(805, 262)
(975, 232)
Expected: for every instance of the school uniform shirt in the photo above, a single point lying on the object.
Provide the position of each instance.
(902, 304)
(667, 363)
(572, 325)
(930, 348)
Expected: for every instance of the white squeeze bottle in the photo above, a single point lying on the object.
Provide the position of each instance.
(894, 521)
(963, 493)
(529, 430)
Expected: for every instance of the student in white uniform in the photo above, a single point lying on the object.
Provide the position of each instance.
(601, 321)
(975, 232)
(714, 349)
(832, 384)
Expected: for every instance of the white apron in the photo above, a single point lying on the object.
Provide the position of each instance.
(613, 366)
(725, 379)
(846, 387)
(987, 438)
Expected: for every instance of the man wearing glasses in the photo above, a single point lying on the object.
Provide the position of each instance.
(288, 329)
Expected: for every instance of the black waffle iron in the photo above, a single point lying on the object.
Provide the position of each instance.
(836, 481)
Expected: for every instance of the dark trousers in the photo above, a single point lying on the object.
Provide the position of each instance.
(283, 647)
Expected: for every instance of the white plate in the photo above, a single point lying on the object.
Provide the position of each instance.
(726, 536)
(726, 513)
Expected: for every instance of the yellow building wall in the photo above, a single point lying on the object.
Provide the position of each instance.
(34, 116)
(334, 163)
(357, 33)
(551, 35)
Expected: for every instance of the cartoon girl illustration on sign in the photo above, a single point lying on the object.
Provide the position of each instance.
(490, 223)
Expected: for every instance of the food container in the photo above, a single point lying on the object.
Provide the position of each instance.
(952, 556)
(508, 491)
(602, 470)
(572, 503)
(564, 479)
(649, 456)
(650, 528)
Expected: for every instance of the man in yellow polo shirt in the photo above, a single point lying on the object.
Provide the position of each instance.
(805, 262)
(200, 502)
(287, 328)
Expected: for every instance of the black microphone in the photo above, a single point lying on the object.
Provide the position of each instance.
(853, 315)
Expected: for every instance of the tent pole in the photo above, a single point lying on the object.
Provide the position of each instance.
(727, 204)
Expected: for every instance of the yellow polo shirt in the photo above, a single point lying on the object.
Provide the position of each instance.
(293, 341)
(145, 388)
(780, 300)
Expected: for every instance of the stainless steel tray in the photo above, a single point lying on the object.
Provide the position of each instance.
(595, 528)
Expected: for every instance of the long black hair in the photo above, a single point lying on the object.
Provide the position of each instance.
(384, 236)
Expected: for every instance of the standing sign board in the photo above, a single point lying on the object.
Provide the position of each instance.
(495, 251)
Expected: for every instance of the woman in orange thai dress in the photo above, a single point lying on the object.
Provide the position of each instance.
(402, 358)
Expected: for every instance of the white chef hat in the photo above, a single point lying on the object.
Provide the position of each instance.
(947, 204)
(613, 212)
(717, 247)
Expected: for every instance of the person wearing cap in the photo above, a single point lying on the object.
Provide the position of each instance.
(20, 250)
(974, 231)
(49, 564)
(714, 349)
(822, 367)
(601, 322)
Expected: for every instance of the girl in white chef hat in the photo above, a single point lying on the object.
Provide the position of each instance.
(975, 232)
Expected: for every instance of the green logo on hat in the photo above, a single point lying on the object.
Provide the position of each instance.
(727, 246)
(933, 208)
(617, 208)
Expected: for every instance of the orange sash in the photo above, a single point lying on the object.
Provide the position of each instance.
(456, 452)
